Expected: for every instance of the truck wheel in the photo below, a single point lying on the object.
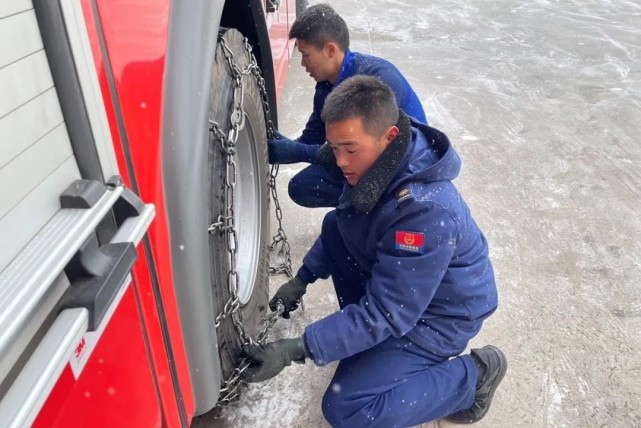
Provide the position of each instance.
(251, 203)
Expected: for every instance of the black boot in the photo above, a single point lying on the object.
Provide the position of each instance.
(492, 365)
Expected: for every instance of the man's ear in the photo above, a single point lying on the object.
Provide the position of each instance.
(392, 132)
(332, 49)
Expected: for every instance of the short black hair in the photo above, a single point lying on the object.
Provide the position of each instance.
(320, 24)
(366, 97)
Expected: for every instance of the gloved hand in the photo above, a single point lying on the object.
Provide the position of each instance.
(290, 294)
(283, 150)
(271, 358)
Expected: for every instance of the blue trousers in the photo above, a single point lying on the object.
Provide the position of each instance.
(396, 383)
(313, 187)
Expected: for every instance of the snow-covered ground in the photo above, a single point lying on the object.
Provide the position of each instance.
(542, 99)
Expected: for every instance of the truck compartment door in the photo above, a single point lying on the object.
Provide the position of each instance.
(57, 298)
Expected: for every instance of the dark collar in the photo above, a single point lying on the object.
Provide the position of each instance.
(375, 181)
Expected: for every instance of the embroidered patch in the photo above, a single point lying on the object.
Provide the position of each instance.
(403, 195)
(410, 241)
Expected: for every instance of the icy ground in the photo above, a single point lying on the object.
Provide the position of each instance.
(542, 99)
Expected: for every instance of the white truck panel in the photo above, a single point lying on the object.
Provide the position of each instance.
(32, 167)
(37, 207)
(11, 7)
(27, 124)
(13, 48)
(23, 80)
(36, 159)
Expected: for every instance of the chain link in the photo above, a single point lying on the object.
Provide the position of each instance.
(279, 241)
(225, 223)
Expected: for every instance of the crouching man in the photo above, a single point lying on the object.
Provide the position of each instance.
(411, 272)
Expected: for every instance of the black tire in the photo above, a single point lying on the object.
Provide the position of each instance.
(253, 230)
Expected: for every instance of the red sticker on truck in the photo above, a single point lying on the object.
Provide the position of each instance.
(89, 341)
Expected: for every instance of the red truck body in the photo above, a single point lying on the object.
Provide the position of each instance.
(131, 372)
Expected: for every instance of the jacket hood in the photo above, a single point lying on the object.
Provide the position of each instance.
(430, 156)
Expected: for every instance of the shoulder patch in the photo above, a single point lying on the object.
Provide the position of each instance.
(403, 195)
(410, 241)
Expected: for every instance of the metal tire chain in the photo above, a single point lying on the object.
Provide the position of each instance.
(284, 253)
(230, 389)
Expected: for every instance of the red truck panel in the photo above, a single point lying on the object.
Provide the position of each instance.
(115, 388)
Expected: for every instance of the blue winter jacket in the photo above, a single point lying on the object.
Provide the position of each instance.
(357, 63)
(430, 277)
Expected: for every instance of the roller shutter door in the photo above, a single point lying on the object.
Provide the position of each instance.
(36, 158)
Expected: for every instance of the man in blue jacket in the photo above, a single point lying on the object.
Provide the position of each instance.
(322, 38)
(411, 272)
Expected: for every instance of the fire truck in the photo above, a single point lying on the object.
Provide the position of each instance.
(134, 204)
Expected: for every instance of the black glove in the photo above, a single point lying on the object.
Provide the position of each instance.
(271, 358)
(290, 294)
(283, 150)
